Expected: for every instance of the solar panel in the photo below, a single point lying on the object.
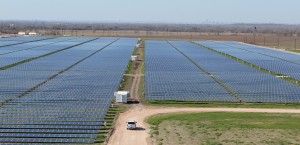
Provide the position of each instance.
(250, 84)
(171, 76)
(18, 40)
(71, 107)
(16, 57)
(33, 45)
(276, 61)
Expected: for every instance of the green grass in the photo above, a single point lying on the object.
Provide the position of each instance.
(130, 68)
(235, 120)
(142, 90)
(126, 83)
(220, 104)
(298, 51)
(225, 128)
(135, 52)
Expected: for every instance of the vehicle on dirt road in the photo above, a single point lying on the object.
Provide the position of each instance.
(131, 124)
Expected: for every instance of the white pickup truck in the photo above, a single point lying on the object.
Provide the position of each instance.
(131, 124)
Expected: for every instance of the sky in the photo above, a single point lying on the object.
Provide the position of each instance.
(154, 11)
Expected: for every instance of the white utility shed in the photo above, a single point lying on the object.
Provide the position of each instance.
(21, 33)
(122, 96)
(134, 58)
(32, 33)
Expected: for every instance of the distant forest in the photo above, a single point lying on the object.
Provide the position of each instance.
(55, 28)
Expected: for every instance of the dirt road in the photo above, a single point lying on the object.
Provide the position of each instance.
(134, 92)
(122, 136)
(136, 82)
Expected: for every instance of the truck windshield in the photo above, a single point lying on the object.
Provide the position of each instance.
(131, 122)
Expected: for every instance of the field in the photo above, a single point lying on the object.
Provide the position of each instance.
(290, 43)
(225, 128)
(180, 104)
(60, 89)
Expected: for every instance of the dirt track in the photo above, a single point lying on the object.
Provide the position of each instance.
(122, 136)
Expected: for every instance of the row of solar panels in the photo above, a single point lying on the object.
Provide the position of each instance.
(171, 76)
(276, 61)
(33, 45)
(15, 57)
(165, 82)
(19, 40)
(22, 77)
(71, 107)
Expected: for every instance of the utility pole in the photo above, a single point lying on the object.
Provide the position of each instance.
(295, 43)
(254, 35)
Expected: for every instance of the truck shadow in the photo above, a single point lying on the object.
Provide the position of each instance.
(133, 102)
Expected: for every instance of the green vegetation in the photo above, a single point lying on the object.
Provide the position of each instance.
(225, 128)
(142, 90)
(220, 104)
(298, 51)
(135, 52)
(130, 68)
(142, 87)
(143, 56)
(126, 83)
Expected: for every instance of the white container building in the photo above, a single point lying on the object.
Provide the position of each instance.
(21, 33)
(122, 96)
(134, 58)
(32, 33)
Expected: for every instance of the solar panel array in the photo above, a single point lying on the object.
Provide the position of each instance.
(276, 61)
(171, 76)
(18, 56)
(69, 108)
(292, 57)
(33, 45)
(23, 77)
(16, 40)
(250, 84)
